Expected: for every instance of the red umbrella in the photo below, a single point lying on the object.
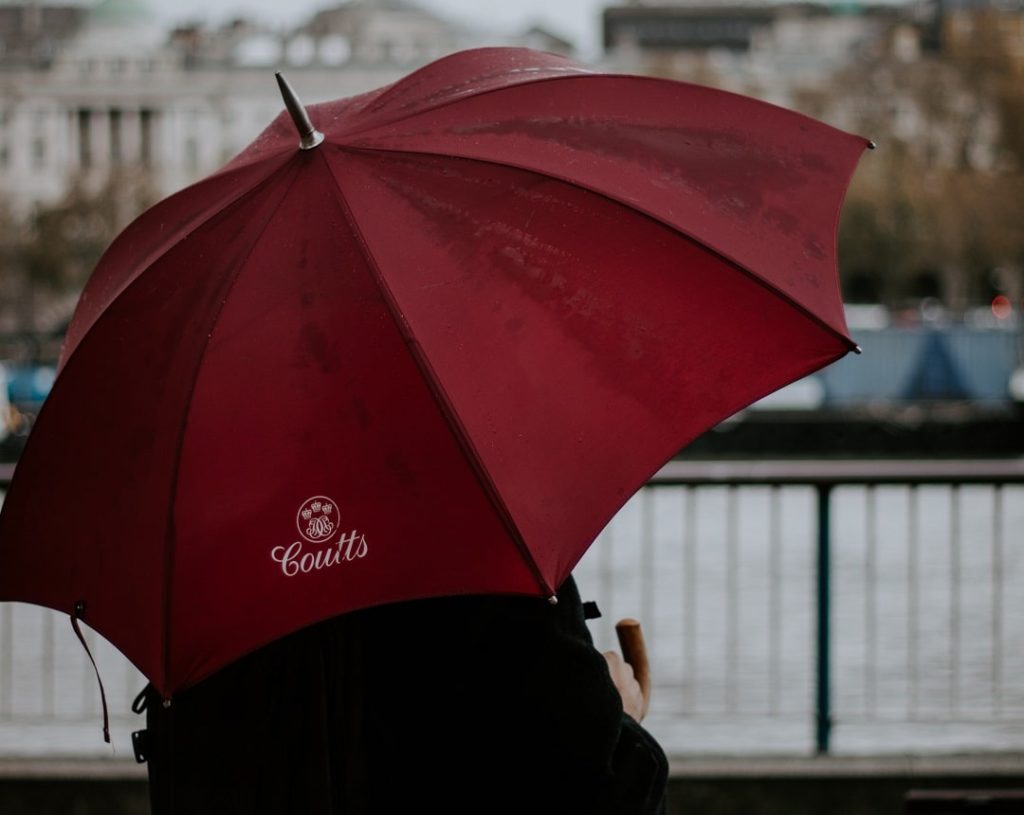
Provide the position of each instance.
(431, 352)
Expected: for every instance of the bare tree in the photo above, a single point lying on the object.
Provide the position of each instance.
(48, 257)
(937, 210)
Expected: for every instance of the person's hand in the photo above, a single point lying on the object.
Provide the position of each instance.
(625, 682)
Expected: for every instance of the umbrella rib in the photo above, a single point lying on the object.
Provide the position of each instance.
(171, 537)
(437, 391)
(784, 296)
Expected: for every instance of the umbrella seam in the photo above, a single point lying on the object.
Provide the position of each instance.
(437, 391)
(156, 255)
(171, 536)
(583, 74)
(752, 275)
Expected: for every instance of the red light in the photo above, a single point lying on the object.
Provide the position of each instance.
(1001, 307)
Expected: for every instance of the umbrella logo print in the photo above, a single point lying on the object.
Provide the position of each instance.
(318, 521)
(318, 517)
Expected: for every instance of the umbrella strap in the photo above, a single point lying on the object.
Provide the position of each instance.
(77, 615)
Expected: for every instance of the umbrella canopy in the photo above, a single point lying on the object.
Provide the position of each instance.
(430, 353)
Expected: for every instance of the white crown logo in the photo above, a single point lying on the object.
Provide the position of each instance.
(317, 519)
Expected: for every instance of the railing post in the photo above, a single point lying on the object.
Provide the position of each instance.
(823, 704)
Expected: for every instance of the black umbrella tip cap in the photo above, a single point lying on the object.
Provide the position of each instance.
(309, 136)
(871, 144)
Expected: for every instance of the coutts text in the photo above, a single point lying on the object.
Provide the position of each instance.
(294, 560)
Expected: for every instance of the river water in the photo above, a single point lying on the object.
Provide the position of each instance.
(927, 625)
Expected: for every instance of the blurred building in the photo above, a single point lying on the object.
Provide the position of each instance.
(770, 51)
(90, 94)
(852, 64)
(801, 55)
(103, 110)
(984, 32)
(101, 100)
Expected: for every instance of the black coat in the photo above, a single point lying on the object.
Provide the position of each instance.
(453, 705)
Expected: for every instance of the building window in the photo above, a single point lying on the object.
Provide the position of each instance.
(192, 155)
(146, 137)
(335, 50)
(116, 149)
(404, 52)
(85, 138)
(38, 152)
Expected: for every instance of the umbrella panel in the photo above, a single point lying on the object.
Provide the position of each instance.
(308, 388)
(101, 460)
(583, 344)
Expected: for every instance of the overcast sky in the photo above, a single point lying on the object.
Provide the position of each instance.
(577, 20)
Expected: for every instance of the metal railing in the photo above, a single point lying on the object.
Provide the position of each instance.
(927, 587)
(829, 598)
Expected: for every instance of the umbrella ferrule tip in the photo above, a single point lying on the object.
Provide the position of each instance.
(309, 136)
(553, 599)
(858, 350)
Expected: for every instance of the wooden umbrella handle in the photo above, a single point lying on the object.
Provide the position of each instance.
(634, 651)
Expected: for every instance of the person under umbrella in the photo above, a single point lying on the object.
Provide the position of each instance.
(456, 705)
